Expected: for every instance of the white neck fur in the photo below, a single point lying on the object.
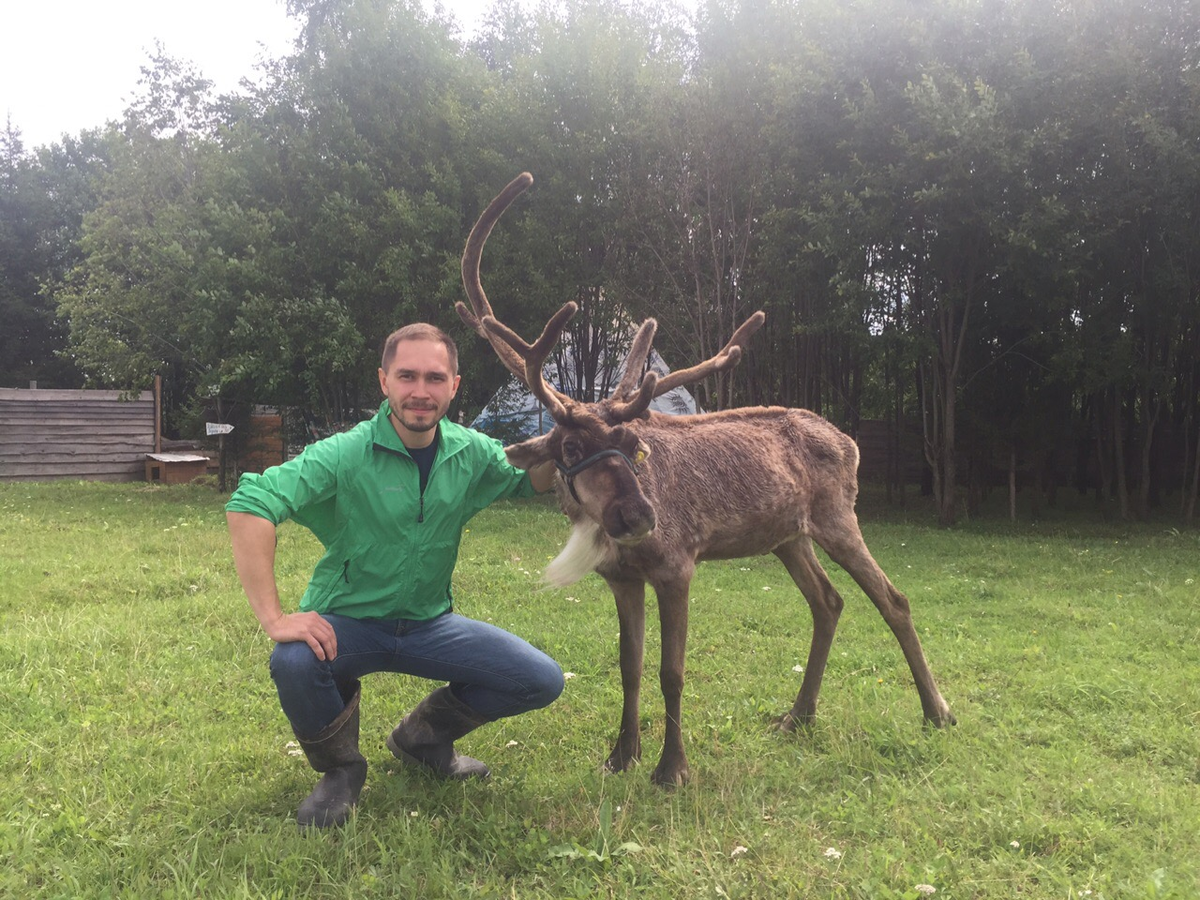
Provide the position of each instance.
(587, 548)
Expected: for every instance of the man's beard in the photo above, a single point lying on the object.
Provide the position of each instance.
(416, 426)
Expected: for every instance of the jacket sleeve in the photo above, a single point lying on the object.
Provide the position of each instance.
(496, 478)
(281, 492)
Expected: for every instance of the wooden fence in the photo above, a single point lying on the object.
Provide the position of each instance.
(880, 453)
(85, 435)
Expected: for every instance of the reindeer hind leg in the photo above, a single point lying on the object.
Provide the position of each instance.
(845, 545)
(826, 604)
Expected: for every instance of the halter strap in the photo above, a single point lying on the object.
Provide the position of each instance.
(570, 473)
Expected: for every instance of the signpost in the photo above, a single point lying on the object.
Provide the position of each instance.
(221, 429)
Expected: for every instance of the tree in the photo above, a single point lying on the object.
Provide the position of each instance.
(43, 197)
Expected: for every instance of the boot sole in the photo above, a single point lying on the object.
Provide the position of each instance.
(409, 760)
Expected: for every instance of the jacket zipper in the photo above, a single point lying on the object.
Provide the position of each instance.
(346, 571)
(421, 506)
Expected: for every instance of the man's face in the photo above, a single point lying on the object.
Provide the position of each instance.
(419, 387)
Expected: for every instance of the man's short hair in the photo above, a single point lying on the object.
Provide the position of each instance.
(420, 331)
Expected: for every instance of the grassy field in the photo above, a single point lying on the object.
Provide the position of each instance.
(143, 753)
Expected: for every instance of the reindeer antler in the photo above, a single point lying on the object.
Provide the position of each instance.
(627, 410)
(639, 351)
(533, 356)
(480, 307)
(635, 360)
(730, 356)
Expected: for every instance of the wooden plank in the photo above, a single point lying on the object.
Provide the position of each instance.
(74, 435)
(112, 477)
(77, 406)
(82, 454)
(72, 468)
(77, 423)
(67, 414)
(72, 432)
(40, 395)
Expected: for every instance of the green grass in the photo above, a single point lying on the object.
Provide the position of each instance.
(143, 753)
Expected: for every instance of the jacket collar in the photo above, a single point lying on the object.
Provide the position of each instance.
(451, 438)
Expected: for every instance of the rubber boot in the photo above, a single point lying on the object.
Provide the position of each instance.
(334, 753)
(426, 736)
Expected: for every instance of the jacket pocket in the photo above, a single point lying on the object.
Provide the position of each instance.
(335, 581)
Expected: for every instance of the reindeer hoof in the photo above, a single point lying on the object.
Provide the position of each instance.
(667, 777)
(942, 720)
(620, 762)
(790, 722)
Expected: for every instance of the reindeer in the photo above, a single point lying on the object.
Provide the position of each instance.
(650, 495)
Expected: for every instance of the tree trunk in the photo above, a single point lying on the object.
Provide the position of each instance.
(1104, 491)
(1151, 422)
(1190, 515)
(947, 507)
(930, 432)
(1119, 457)
(1012, 485)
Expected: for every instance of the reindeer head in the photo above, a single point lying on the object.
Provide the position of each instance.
(594, 445)
(596, 454)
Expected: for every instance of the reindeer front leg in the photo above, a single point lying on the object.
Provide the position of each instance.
(672, 768)
(631, 613)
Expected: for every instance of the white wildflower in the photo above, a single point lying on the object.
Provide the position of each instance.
(797, 668)
(1016, 845)
(513, 744)
(567, 676)
(293, 748)
(833, 853)
(926, 889)
(739, 851)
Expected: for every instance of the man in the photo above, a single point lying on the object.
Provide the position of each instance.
(388, 500)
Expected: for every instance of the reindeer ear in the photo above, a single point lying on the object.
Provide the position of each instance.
(528, 454)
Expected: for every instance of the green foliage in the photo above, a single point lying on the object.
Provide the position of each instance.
(144, 754)
(976, 216)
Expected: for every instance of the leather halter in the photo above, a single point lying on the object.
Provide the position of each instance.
(569, 474)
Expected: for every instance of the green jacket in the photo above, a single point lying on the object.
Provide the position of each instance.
(389, 548)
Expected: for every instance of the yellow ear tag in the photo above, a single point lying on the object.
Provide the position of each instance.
(640, 458)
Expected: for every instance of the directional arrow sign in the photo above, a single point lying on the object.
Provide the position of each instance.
(211, 428)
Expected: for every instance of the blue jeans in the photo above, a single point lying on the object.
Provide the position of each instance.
(495, 673)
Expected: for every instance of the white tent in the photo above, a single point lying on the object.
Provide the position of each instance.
(514, 414)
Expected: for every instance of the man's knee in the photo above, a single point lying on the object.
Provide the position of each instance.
(547, 684)
(293, 663)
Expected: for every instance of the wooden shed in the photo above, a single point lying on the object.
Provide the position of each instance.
(84, 435)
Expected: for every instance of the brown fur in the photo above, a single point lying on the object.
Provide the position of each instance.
(722, 485)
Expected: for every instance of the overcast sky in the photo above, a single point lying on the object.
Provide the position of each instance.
(67, 65)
